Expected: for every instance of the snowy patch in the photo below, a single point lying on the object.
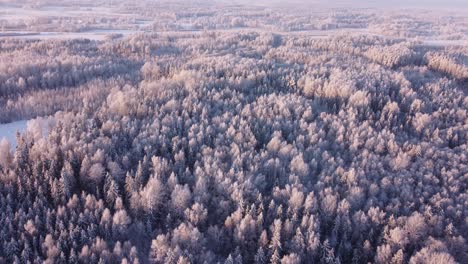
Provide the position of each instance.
(38, 128)
(9, 131)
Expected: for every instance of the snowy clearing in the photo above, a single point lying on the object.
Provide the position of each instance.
(9, 131)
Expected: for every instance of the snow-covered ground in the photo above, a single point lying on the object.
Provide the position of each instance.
(24, 13)
(9, 130)
(38, 127)
(445, 43)
(100, 34)
(22, 19)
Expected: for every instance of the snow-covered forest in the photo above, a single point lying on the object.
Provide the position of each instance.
(208, 132)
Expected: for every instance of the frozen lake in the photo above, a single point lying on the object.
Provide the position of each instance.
(9, 130)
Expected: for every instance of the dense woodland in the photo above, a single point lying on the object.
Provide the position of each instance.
(234, 147)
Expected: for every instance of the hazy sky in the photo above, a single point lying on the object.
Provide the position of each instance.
(396, 4)
(366, 3)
